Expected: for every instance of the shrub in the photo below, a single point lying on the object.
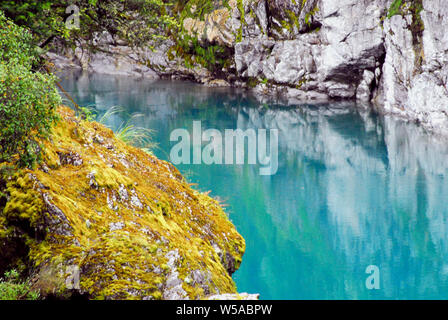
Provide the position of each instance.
(27, 99)
(15, 44)
(140, 22)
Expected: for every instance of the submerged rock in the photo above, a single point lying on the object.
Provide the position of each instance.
(103, 229)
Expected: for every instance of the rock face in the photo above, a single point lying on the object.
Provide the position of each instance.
(315, 50)
(415, 72)
(104, 220)
(324, 53)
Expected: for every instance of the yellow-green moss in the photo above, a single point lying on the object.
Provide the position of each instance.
(123, 211)
(24, 201)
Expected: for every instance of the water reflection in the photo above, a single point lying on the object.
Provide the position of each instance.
(352, 189)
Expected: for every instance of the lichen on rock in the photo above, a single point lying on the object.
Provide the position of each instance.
(123, 222)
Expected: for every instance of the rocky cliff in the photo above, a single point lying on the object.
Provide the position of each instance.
(104, 220)
(392, 53)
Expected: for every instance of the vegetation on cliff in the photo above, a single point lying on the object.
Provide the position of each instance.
(414, 9)
(136, 22)
(12, 287)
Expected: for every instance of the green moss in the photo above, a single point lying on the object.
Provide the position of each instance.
(413, 7)
(293, 20)
(395, 8)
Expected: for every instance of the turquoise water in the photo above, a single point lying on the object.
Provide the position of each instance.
(353, 189)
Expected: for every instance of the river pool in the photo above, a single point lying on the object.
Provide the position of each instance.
(352, 189)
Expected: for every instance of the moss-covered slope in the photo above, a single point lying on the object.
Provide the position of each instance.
(124, 222)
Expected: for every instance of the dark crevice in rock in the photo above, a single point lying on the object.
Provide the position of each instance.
(312, 27)
(375, 85)
(14, 251)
